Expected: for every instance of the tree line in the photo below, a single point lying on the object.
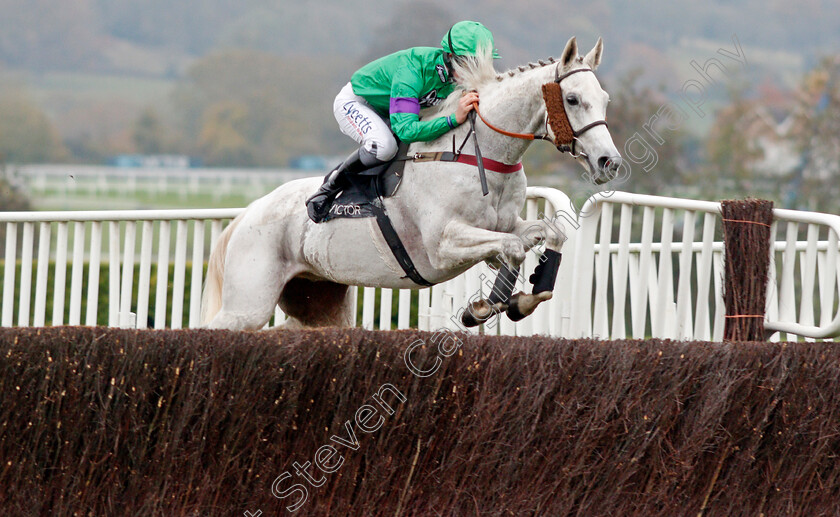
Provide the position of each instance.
(246, 108)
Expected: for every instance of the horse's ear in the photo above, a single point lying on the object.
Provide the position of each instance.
(593, 59)
(570, 52)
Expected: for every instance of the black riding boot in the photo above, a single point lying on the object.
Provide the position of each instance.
(317, 206)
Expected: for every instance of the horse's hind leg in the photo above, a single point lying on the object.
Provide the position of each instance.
(248, 301)
(253, 287)
(253, 278)
(317, 303)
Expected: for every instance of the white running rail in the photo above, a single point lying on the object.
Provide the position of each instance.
(113, 240)
(663, 258)
(637, 266)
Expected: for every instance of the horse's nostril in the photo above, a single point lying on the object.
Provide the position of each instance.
(609, 163)
(603, 163)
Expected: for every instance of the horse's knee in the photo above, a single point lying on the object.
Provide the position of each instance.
(512, 251)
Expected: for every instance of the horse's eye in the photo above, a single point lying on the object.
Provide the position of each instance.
(572, 100)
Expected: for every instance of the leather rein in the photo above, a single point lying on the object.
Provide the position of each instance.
(565, 136)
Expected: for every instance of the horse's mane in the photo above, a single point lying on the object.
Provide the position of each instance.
(475, 73)
(530, 66)
(471, 73)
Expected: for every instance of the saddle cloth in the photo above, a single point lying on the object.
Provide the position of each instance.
(367, 188)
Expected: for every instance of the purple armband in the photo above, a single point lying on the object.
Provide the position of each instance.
(405, 105)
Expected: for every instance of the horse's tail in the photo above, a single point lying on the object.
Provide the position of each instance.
(211, 298)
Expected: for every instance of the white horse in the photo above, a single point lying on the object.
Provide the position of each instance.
(274, 254)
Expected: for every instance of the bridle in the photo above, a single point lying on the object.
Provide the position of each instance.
(556, 118)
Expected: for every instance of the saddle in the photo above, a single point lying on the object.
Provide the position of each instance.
(363, 198)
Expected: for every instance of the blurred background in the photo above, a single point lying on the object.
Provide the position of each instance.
(101, 97)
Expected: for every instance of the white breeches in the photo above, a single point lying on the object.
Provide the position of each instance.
(358, 120)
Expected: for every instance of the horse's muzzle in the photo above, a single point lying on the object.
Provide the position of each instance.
(607, 168)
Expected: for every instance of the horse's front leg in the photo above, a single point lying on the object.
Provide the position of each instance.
(541, 231)
(551, 235)
(462, 244)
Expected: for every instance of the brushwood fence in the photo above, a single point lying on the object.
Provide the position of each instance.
(104, 421)
(634, 266)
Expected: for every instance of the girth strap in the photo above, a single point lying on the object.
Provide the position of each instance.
(466, 159)
(396, 245)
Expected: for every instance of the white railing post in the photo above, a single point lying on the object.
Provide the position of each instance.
(76, 273)
(39, 318)
(26, 274)
(385, 308)
(665, 292)
(581, 309)
(787, 302)
(620, 273)
(145, 273)
(197, 273)
(59, 282)
(702, 326)
(127, 290)
(10, 267)
(639, 308)
(684, 328)
(808, 270)
(93, 274)
(114, 273)
(179, 275)
(828, 284)
(404, 316)
(600, 317)
(368, 305)
(162, 275)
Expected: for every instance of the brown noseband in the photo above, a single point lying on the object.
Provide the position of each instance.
(564, 135)
(556, 117)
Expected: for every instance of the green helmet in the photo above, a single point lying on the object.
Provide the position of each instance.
(464, 39)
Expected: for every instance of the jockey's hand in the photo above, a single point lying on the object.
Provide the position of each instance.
(465, 105)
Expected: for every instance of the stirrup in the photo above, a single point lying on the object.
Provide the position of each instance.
(335, 181)
(317, 204)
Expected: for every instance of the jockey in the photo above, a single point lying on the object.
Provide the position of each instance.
(396, 87)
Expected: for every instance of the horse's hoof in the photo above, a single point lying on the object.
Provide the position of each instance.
(522, 305)
(480, 311)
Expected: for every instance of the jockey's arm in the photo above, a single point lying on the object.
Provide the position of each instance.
(405, 111)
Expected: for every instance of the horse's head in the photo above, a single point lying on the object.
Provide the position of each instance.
(577, 112)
